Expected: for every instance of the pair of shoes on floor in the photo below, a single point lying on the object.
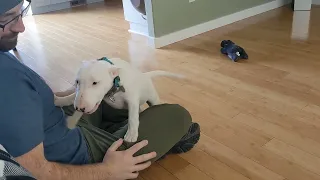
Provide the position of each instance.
(187, 142)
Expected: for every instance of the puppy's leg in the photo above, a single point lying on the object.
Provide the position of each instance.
(64, 101)
(73, 120)
(133, 121)
(67, 92)
(153, 97)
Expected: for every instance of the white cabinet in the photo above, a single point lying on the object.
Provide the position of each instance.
(138, 22)
(302, 5)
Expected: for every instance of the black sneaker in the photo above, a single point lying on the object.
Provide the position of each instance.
(187, 142)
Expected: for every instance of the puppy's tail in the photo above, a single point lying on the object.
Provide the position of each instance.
(156, 73)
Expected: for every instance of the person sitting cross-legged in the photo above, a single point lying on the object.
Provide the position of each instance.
(34, 131)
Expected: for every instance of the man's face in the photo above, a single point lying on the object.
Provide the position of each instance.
(9, 36)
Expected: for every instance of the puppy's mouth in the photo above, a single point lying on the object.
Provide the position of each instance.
(94, 108)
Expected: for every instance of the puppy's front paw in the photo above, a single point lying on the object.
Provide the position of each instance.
(131, 135)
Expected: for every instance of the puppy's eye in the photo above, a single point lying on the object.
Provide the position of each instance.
(77, 82)
(94, 83)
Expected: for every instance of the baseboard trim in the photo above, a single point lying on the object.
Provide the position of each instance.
(58, 7)
(316, 2)
(50, 8)
(137, 28)
(137, 32)
(94, 1)
(174, 37)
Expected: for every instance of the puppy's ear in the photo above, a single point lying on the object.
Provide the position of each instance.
(114, 71)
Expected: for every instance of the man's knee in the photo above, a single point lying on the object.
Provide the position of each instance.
(182, 113)
(173, 115)
(183, 116)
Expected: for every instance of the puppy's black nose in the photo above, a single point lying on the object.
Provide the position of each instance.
(77, 108)
(82, 109)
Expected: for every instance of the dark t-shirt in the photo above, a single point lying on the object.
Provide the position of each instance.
(28, 116)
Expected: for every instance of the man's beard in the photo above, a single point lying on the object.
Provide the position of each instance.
(7, 43)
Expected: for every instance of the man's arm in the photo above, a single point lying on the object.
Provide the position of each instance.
(22, 133)
(35, 162)
(117, 165)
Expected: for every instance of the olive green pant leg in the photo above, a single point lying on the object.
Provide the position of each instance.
(162, 125)
(105, 117)
(95, 128)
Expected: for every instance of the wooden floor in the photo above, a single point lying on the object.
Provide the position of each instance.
(260, 118)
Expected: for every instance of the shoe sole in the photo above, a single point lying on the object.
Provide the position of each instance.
(188, 141)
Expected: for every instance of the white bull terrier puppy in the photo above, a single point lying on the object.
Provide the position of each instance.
(117, 83)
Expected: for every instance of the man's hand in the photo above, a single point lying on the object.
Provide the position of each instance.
(117, 165)
(123, 165)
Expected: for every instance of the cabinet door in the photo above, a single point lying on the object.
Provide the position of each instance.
(302, 5)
